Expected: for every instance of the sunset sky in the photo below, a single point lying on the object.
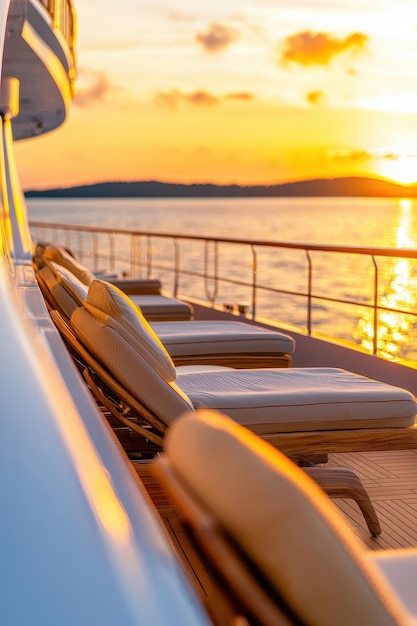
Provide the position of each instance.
(245, 91)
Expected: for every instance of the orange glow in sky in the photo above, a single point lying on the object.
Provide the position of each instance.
(264, 91)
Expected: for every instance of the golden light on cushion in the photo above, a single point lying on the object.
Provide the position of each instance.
(282, 521)
(107, 303)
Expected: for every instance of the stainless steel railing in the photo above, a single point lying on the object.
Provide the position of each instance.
(63, 18)
(142, 253)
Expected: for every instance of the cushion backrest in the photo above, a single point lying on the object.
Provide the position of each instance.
(283, 521)
(62, 257)
(129, 367)
(70, 282)
(113, 308)
(61, 297)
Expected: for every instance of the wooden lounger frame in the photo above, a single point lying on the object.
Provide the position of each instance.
(244, 360)
(355, 440)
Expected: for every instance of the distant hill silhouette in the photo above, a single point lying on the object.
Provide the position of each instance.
(332, 187)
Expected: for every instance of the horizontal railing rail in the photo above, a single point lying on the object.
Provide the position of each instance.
(137, 253)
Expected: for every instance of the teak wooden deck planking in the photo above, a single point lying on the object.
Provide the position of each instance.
(389, 477)
(391, 481)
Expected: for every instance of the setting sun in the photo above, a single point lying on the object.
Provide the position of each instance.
(401, 170)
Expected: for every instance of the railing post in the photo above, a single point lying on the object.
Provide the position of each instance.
(133, 256)
(136, 255)
(95, 252)
(176, 266)
(309, 291)
(254, 276)
(211, 297)
(80, 245)
(149, 255)
(375, 307)
(111, 252)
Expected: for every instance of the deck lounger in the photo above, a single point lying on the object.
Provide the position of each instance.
(299, 410)
(59, 254)
(272, 540)
(337, 482)
(155, 307)
(230, 343)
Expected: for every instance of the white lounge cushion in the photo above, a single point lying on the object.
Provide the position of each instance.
(113, 308)
(399, 568)
(282, 400)
(156, 307)
(220, 337)
(129, 366)
(282, 520)
(62, 257)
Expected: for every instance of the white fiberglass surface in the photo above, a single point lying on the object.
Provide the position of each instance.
(73, 551)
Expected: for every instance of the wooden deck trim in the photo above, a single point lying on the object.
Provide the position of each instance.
(332, 441)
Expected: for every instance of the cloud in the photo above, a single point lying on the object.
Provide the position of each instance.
(350, 155)
(308, 48)
(315, 97)
(201, 98)
(96, 91)
(173, 98)
(217, 37)
(241, 95)
(341, 154)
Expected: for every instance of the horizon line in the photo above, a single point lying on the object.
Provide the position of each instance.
(377, 179)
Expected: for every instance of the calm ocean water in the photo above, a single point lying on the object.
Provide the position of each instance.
(345, 221)
(348, 221)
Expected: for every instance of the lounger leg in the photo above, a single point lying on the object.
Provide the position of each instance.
(342, 482)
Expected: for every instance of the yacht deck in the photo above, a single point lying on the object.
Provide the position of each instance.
(389, 477)
(391, 481)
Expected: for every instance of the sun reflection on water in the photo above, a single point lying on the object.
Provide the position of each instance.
(399, 291)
